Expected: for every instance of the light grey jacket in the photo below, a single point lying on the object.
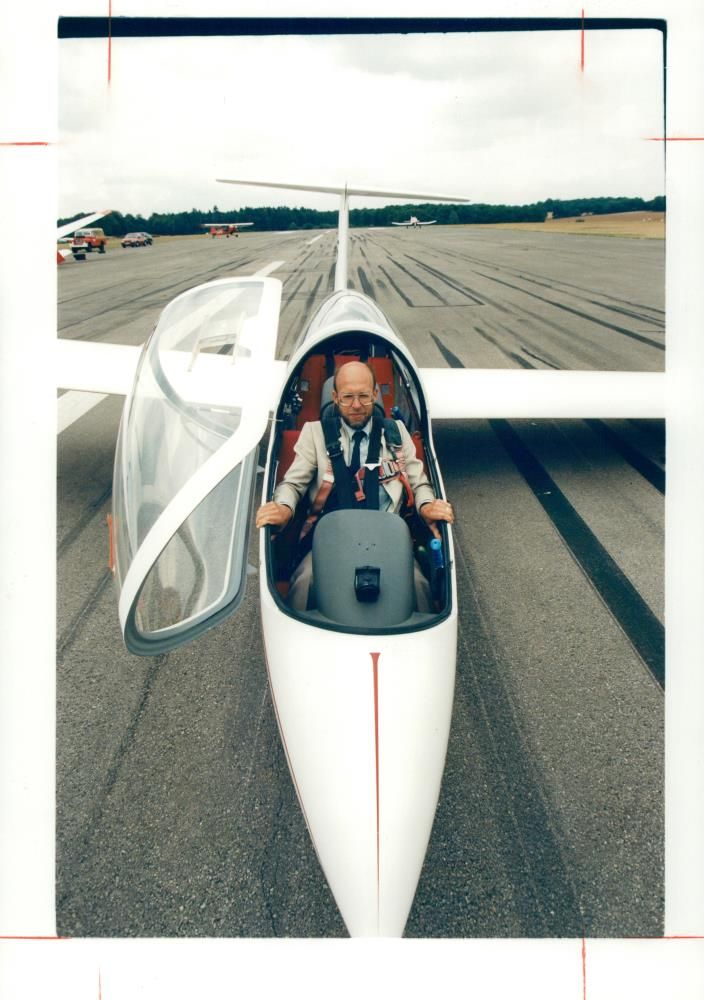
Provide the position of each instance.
(311, 461)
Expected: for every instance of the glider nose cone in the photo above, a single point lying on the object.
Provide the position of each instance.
(365, 722)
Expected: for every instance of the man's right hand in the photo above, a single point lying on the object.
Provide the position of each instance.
(276, 514)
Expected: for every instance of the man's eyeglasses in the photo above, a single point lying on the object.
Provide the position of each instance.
(348, 398)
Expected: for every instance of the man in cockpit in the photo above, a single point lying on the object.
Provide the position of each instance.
(354, 394)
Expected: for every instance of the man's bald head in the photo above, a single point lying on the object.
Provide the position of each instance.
(353, 371)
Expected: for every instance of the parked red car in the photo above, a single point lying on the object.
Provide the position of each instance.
(136, 240)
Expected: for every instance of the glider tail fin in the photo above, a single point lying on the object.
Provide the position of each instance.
(344, 194)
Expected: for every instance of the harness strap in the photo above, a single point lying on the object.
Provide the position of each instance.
(395, 446)
(386, 471)
(333, 446)
(319, 502)
(372, 473)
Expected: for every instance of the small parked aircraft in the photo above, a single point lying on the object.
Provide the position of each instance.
(225, 228)
(362, 688)
(414, 223)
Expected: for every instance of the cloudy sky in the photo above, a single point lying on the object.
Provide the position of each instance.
(492, 117)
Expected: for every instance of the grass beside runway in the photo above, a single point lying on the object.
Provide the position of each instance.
(633, 225)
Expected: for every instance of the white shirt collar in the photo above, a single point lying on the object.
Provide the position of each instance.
(349, 431)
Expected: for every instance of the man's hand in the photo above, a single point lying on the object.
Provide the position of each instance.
(436, 510)
(276, 514)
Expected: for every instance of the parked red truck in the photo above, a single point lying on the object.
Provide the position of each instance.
(86, 240)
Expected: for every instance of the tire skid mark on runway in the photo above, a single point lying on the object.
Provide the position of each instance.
(91, 334)
(511, 354)
(188, 281)
(567, 337)
(651, 472)
(116, 285)
(366, 284)
(94, 508)
(645, 466)
(654, 429)
(580, 293)
(577, 312)
(521, 362)
(495, 343)
(542, 886)
(462, 289)
(313, 294)
(286, 344)
(635, 618)
(71, 632)
(83, 845)
(544, 323)
(543, 361)
(174, 288)
(423, 285)
(292, 294)
(452, 359)
(557, 284)
(304, 258)
(395, 287)
(621, 310)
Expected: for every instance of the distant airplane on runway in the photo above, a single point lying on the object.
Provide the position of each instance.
(361, 680)
(413, 223)
(225, 228)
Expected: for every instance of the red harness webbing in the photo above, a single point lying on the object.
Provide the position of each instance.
(388, 471)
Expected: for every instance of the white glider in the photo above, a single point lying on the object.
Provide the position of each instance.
(362, 689)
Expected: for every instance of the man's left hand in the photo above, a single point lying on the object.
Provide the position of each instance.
(436, 510)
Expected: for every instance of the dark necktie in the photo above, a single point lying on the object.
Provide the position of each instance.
(357, 439)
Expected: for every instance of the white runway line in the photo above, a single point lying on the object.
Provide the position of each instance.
(314, 239)
(74, 405)
(268, 269)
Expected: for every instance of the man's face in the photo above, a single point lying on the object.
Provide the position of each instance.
(355, 394)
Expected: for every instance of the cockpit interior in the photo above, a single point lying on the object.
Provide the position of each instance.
(397, 541)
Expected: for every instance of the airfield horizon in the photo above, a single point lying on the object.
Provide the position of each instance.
(629, 225)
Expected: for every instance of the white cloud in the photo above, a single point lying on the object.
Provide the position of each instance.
(496, 117)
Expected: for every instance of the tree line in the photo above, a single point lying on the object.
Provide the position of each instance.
(285, 218)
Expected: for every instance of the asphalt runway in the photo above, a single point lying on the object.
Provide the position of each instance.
(176, 814)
